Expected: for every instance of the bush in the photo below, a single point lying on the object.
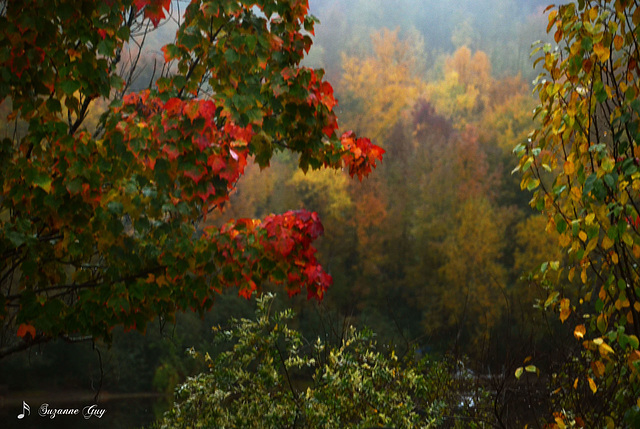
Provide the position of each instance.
(270, 377)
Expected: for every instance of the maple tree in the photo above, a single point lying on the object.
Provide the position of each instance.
(105, 226)
(582, 164)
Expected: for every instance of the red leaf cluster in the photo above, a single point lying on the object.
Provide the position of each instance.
(185, 133)
(360, 154)
(283, 253)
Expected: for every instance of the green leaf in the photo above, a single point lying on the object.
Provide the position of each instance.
(190, 41)
(634, 342)
(69, 87)
(16, 238)
(599, 91)
(123, 33)
(115, 207)
(53, 105)
(231, 56)
(171, 52)
(250, 42)
(609, 180)
(533, 184)
(43, 181)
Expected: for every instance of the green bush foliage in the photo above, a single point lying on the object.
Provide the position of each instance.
(271, 377)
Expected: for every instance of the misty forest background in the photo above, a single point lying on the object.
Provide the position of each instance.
(431, 251)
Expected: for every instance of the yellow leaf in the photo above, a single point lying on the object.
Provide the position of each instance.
(620, 304)
(610, 423)
(73, 54)
(579, 331)
(161, 281)
(575, 48)
(576, 193)
(569, 168)
(614, 257)
(519, 372)
(583, 276)
(593, 13)
(607, 242)
(551, 299)
(636, 16)
(601, 51)
(589, 219)
(575, 383)
(564, 240)
(565, 309)
(592, 385)
(582, 235)
(617, 42)
(602, 322)
(605, 349)
(598, 368)
(602, 294)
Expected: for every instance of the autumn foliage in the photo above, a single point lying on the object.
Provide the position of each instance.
(581, 163)
(105, 226)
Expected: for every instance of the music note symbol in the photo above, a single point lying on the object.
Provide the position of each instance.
(25, 407)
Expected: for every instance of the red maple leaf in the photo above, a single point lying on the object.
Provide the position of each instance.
(173, 106)
(196, 174)
(153, 9)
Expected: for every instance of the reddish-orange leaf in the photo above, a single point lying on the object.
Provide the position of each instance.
(25, 329)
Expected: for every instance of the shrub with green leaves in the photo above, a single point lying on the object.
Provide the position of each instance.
(270, 377)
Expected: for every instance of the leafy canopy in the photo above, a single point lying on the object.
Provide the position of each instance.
(105, 225)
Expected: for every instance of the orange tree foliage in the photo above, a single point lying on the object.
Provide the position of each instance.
(104, 228)
(414, 220)
(464, 91)
(582, 162)
(384, 84)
